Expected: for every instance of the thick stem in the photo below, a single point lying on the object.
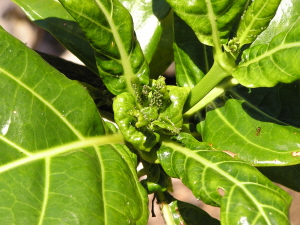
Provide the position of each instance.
(208, 82)
(165, 209)
(214, 93)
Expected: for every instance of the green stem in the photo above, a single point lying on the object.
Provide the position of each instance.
(214, 93)
(165, 208)
(216, 74)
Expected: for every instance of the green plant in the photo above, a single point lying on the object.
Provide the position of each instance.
(231, 123)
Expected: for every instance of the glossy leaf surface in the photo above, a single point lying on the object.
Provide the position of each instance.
(256, 19)
(153, 27)
(147, 17)
(285, 17)
(54, 164)
(260, 140)
(239, 188)
(265, 65)
(51, 16)
(108, 26)
(211, 20)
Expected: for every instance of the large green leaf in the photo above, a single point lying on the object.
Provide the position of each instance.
(153, 27)
(256, 19)
(108, 26)
(211, 20)
(192, 58)
(252, 135)
(285, 17)
(54, 165)
(51, 16)
(243, 193)
(265, 65)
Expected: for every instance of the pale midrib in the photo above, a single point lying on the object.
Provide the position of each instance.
(88, 142)
(54, 110)
(271, 52)
(46, 190)
(128, 73)
(254, 18)
(206, 163)
(212, 19)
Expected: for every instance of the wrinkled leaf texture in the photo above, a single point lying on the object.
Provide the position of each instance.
(243, 193)
(54, 168)
(109, 28)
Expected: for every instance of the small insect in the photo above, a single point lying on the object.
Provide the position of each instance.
(258, 130)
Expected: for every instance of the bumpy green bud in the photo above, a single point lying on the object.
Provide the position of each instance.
(124, 112)
(170, 119)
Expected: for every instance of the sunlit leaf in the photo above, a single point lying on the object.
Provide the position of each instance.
(211, 20)
(56, 164)
(252, 135)
(244, 195)
(256, 19)
(265, 65)
(51, 16)
(108, 26)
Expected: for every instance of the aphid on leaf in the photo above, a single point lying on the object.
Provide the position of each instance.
(258, 130)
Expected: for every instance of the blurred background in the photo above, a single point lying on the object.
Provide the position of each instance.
(13, 20)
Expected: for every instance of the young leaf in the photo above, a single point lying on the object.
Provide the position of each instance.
(265, 65)
(153, 26)
(51, 16)
(285, 17)
(210, 19)
(147, 16)
(239, 186)
(108, 26)
(256, 20)
(262, 141)
(192, 58)
(54, 165)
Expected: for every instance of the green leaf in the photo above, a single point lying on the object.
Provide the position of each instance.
(279, 102)
(56, 165)
(124, 110)
(178, 213)
(108, 26)
(192, 58)
(51, 16)
(250, 134)
(147, 18)
(285, 17)
(153, 27)
(239, 187)
(256, 19)
(265, 65)
(211, 20)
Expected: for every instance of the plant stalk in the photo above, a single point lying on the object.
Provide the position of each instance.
(221, 69)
